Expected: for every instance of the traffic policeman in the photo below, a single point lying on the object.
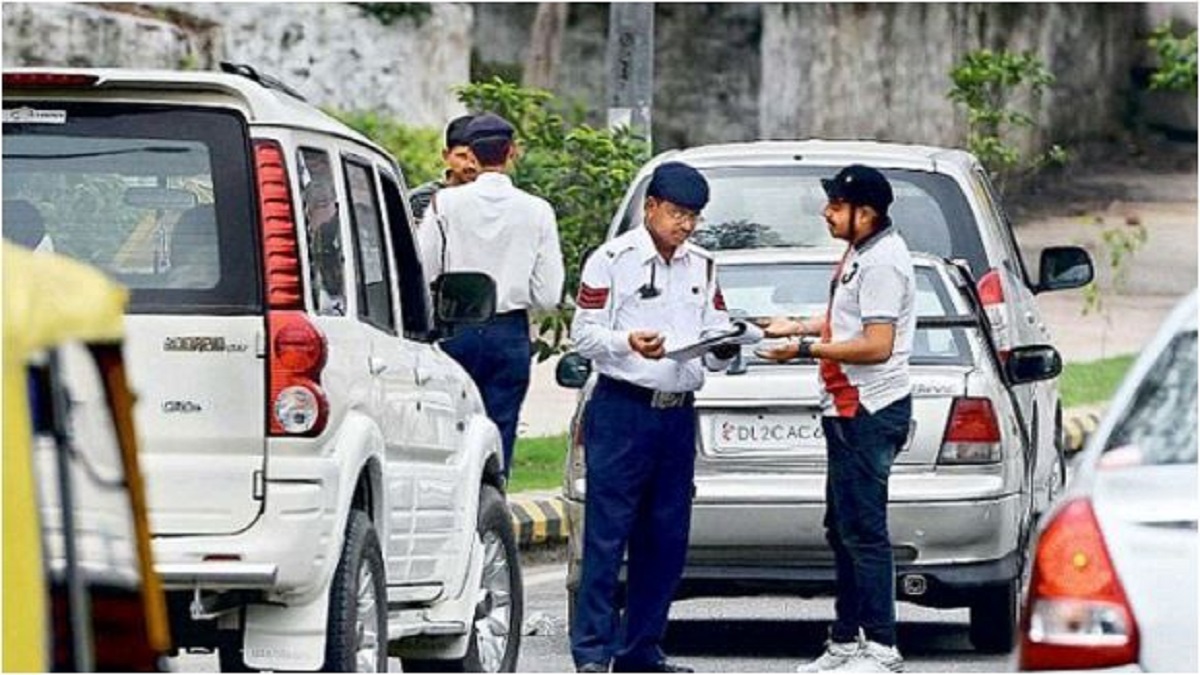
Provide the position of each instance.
(866, 338)
(641, 295)
(491, 226)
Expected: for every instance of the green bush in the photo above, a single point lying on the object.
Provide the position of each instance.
(1176, 59)
(583, 172)
(417, 149)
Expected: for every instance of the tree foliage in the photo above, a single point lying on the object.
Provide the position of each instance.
(990, 84)
(1176, 59)
(583, 172)
(418, 150)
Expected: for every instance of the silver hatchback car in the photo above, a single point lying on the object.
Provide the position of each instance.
(960, 504)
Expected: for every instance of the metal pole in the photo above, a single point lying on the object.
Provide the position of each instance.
(630, 60)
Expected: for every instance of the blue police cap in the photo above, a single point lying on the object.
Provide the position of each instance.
(861, 186)
(489, 126)
(679, 184)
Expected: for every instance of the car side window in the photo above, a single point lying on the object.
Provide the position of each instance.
(415, 314)
(1012, 253)
(370, 251)
(326, 280)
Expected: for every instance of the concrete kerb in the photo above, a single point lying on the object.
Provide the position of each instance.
(539, 519)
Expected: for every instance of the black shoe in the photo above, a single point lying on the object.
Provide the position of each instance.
(660, 667)
(592, 668)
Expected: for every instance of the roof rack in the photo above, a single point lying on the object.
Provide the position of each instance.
(267, 81)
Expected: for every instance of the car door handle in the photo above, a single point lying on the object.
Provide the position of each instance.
(376, 365)
(1030, 318)
(421, 376)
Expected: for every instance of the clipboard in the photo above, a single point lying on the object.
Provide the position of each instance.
(697, 349)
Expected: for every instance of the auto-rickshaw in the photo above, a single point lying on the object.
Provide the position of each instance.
(80, 591)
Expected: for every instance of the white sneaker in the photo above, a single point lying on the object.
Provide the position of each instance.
(874, 657)
(837, 655)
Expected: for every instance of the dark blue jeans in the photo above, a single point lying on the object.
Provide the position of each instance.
(860, 454)
(640, 464)
(497, 356)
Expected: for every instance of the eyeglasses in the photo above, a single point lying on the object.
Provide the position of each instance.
(683, 215)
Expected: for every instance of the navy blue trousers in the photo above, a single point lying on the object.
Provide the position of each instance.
(497, 356)
(640, 465)
(860, 451)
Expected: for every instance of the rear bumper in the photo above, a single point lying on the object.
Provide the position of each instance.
(944, 550)
(291, 548)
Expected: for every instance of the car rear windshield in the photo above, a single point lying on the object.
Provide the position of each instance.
(802, 289)
(159, 197)
(760, 207)
(1160, 425)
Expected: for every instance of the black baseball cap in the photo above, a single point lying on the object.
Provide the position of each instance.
(861, 186)
(488, 127)
(456, 131)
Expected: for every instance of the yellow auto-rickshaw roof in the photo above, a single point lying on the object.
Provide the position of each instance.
(49, 299)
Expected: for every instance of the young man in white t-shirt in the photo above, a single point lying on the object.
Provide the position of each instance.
(866, 337)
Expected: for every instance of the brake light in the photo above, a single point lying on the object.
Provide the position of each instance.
(49, 80)
(297, 403)
(972, 433)
(1077, 614)
(281, 255)
(991, 294)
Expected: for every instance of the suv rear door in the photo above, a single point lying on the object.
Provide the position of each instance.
(161, 197)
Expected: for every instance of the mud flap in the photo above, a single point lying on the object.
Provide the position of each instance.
(287, 638)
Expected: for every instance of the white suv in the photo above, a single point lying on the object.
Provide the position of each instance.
(324, 485)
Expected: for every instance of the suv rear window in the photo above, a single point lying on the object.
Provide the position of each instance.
(759, 207)
(159, 197)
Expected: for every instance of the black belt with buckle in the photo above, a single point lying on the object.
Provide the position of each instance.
(655, 399)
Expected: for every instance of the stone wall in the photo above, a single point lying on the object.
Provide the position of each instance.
(331, 53)
(882, 71)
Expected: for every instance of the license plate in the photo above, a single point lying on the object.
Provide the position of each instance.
(796, 433)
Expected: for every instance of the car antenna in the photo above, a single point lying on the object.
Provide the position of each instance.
(248, 72)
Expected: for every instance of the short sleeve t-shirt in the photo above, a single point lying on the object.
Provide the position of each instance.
(873, 284)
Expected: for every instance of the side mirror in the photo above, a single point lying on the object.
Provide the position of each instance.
(1064, 267)
(1032, 363)
(573, 371)
(463, 298)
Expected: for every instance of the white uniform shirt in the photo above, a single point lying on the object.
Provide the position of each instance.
(688, 306)
(493, 227)
(875, 284)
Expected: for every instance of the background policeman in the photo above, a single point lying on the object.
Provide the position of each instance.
(494, 227)
(866, 339)
(461, 167)
(641, 294)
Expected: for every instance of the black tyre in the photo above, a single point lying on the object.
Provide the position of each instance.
(357, 629)
(994, 618)
(495, 639)
(229, 652)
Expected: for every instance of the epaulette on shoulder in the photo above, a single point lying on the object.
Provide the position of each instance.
(615, 249)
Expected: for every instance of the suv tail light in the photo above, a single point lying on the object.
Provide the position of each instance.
(296, 354)
(49, 80)
(991, 294)
(1077, 614)
(972, 433)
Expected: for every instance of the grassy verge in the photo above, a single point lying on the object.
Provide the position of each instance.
(538, 463)
(1092, 381)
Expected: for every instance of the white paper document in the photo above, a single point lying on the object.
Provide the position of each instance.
(742, 333)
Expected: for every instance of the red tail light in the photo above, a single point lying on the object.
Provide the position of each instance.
(297, 405)
(972, 433)
(280, 253)
(49, 80)
(991, 294)
(1077, 614)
